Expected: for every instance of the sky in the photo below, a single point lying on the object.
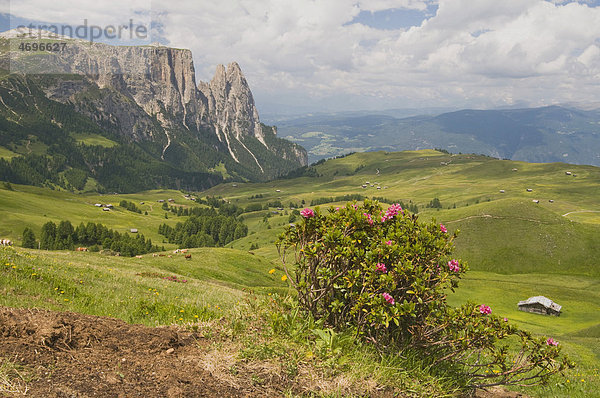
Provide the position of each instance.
(336, 55)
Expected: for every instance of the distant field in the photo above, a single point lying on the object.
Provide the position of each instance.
(93, 139)
(7, 153)
(32, 207)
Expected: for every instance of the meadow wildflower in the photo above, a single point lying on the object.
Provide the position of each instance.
(551, 341)
(307, 213)
(484, 309)
(272, 271)
(284, 278)
(388, 297)
(381, 267)
(443, 228)
(453, 265)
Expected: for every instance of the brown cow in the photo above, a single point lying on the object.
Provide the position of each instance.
(188, 256)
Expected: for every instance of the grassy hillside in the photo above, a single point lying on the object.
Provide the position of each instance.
(515, 248)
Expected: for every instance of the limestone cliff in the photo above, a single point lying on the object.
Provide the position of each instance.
(150, 93)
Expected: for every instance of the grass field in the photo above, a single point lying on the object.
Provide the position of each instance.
(93, 139)
(515, 248)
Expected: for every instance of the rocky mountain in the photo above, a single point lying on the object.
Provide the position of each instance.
(145, 97)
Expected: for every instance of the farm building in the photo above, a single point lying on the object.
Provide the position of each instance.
(133, 230)
(529, 190)
(568, 173)
(502, 191)
(98, 205)
(105, 209)
(540, 305)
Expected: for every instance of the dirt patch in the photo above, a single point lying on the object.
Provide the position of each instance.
(74, 355)
(70, 355)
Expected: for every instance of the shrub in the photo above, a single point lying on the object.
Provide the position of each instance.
(383, 275)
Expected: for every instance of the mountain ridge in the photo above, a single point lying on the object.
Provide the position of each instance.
(148, 96)
(546, 134)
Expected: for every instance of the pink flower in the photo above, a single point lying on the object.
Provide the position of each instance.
(389, 243)
(387, 297)
(381, 267)
(484, 309)
(551, 341)
(307, 213)
(369, 219)
(337, 209)
(453, 265)
(443, 228)
(505, 319)
(391, 212)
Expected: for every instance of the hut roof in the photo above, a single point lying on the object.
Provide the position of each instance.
(546, 302)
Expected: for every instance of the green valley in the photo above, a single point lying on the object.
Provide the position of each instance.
(525, 229)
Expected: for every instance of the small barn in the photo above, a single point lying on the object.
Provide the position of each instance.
(133, 230)
(540, 305)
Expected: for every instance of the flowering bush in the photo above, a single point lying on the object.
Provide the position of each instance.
(384, 275)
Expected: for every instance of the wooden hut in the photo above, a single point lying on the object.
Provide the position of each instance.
(540, 305)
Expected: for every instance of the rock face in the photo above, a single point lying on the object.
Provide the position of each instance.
(231, 105)
(150, 93)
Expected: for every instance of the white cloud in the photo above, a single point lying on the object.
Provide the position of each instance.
(477, 53)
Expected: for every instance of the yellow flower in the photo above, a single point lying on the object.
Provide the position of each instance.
(195, 316)
(272, 271)
(180, 310)
(284, 278)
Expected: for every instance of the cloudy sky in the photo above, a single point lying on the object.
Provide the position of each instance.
(310, 55)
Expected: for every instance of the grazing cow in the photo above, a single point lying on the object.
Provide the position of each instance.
(82, 249)
(170, 256)
(6, 242)
(184, 250)
(176, 251)
(161, 255)
(154, 255)
(138, 256)
(188, 256)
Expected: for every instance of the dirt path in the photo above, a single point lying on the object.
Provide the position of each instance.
(580, 211)
(74, 355)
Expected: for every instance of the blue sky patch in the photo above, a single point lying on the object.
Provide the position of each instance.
(394, 18)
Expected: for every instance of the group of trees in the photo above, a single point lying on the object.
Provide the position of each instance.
(65, 237)
(130, 206)
(205, 230)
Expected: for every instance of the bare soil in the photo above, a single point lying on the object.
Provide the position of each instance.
(74, 355)
(70, 355)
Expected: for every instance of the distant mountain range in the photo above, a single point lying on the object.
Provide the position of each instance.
(546, 134)
(124, 118)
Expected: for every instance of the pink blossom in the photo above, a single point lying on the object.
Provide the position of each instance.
(484, 309)
(387, 297)
(389, 243)
(453, 265)
(307, 213)
(505, 319)
(391, 212)
(551, 341)
(443, 228)
(381, 267)
(337, 209)
(369, 219)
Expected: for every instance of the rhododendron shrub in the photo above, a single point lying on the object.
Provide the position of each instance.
(384, 275)
(350, 262)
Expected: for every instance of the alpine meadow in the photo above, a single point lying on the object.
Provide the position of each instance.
(415, 214)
